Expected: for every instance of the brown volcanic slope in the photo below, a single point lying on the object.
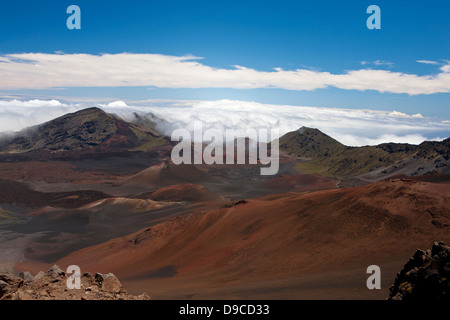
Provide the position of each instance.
(301, 183)
(166, 173)
(319, 153)
(277, 238)
(85, 129)
(185, 192)
(13, 192)
(59, 231)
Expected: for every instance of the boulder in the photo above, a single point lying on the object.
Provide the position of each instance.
(39, 276)
(9, 284)
(52, 285)
(55, 272)
(425, 277)
(109, 282)
(26, 276)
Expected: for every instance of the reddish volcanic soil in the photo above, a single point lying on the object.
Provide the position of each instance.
(166, 173)
(13, 192)
(185, 192)
(291, 246)
(50, 172)
(301, 183)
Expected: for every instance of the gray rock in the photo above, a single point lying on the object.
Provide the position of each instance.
(3, 288)
(143, 296)
(55, 272)
(425, 277)
(47, 287)
(26, 276)
(8, 283)
(39, 276)
(109, 282)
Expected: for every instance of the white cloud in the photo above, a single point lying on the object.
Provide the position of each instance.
(117, 104)
(353, 140)
(402, 114)
(43, 71)
(378, 63)
(354, 127)
(428, 62)
(437, 139)
(16, 114)
(446, 68)
(383, 63)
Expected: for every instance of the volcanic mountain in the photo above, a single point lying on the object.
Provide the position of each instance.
(167, 173)
(85, 129)
(310, 143)
(319, 153)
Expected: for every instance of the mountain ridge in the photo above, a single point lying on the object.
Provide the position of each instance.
(315, 152)
(319, 153)
(85, 129)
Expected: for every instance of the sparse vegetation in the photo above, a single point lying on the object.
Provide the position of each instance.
(85, 129)
(7, 217)
(155, 142)
(322, 154)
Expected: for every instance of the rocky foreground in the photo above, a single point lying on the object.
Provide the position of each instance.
(52, 285)
(425, 277)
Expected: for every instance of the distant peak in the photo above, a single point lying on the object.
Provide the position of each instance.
(307, 129)
(301, 129)
(91, 110)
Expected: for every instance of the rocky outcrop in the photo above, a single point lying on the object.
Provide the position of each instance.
(52, 285)
(425, 277)
(235, 203)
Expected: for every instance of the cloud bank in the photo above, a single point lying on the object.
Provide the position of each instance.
(45, 71)
(349, 126)
(16, 114)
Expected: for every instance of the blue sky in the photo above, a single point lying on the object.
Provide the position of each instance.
(324, 37)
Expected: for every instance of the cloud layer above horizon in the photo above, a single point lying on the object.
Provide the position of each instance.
(349, 126)
(46, 71)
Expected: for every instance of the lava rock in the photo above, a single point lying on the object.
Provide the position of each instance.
(109, 282)
(55, 272)
(52, 285)
(425, 277)
(26, 276)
